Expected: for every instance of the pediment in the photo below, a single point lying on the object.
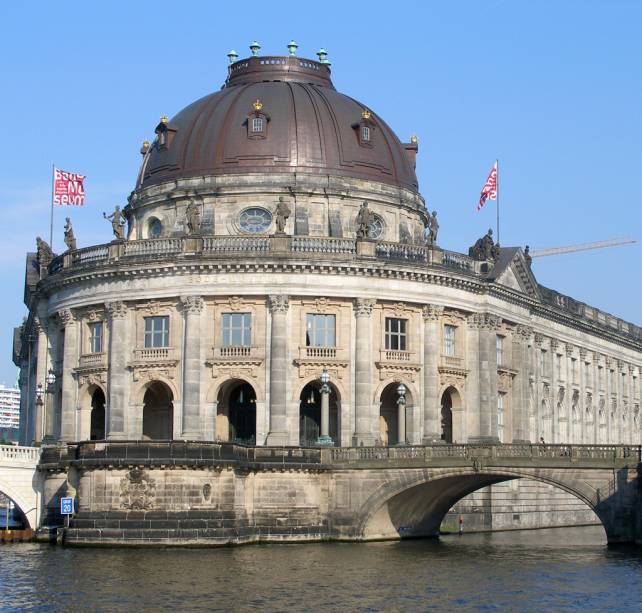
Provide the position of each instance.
(517, 274)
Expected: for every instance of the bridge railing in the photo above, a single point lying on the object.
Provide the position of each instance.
(15, 453)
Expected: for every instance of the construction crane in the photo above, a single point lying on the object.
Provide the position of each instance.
(615, 242)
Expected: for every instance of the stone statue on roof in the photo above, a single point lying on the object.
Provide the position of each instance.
(432, 229)
(484, 248)
(364, 220)
(70, 239)
(282, 213)
(193, 217)
(44, 254)
(118, 221)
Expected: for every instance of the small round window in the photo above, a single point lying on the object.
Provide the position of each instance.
(255, 220)
(376, 227)
(155, 228)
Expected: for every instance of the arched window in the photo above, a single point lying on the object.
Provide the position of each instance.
(154, 228)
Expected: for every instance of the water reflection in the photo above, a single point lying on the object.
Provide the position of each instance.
(524, 571)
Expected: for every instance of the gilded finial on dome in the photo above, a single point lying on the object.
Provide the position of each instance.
(164, 119)
(145, 147)
(366, 114)
(414, 140)
(257, 104)
(254, 48)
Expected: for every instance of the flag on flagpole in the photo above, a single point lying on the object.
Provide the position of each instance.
(68, 188)
(489, 191)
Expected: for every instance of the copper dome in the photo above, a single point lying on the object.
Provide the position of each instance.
(309, 128)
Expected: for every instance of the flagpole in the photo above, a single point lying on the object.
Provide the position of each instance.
(53, 179)
(497, 190)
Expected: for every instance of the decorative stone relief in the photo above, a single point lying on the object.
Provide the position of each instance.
(192, 304)
(523, 333)
(279, 303)
(235, 302)
(116, 309)
(363, 307)
(583, 354)
(137, 491)
(484, 321)
(92, 378)
(321, 304)
(505, 380)
(431, 312)
(539, 339)
(569, 347)
(152, 373)
(65, 317)
(399, 308)
(450, 379)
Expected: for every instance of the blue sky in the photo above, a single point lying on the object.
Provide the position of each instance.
(553, 89)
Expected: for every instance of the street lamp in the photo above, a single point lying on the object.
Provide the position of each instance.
(51, 381)
(401, 414)
(325, 439)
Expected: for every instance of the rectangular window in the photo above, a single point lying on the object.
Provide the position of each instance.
(573, 370)
(236, 329)
(396, 334)
(157, 331)
(96, 337)
(257, 124)
(499, 347)
(320, 330)
(542, 362)
(449, 341)
(587, 374)
(600, 376)
(365, 133)
(500, 417)
(558, 365)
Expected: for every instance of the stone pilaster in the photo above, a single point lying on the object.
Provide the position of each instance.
(69, 387)
(41, 379)
(432, 343)
(487, 325)
(192, 309)
(278, 435)
(363, 422)
(520, 405)
(118, 375)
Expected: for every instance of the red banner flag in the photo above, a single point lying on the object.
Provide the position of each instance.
(489, 191)
(68, 188)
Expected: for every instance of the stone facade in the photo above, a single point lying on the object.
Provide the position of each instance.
(211, 322)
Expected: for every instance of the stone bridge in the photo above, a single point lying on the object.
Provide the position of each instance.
(220, 493)
(20, 481)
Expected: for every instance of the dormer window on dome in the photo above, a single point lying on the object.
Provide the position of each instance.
(257, 121)
(365, 129)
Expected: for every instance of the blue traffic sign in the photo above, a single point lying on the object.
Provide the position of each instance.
(67, 506)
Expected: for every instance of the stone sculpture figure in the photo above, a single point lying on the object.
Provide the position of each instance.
(364, 220)
(44, 254)
(484, 248)
(70, 239)
(193, 216)
(282, 213)
(118, 220)
(432, 229)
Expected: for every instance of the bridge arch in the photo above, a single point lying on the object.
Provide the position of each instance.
(28, 510)
(415, 506)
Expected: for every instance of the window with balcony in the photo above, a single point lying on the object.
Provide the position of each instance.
(499, 349)
(396, 337)
(449, 341)
(157, 331)
(236, 329)
(320, 330)
(96, 337)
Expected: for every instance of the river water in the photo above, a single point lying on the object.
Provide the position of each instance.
(541, 570)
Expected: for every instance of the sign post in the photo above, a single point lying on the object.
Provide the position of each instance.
(67, 507)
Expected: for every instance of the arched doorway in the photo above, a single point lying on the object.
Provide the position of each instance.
(449, 399)
(242, 414)
(390, 412)
(236, 413)
(97, 431)
(158, 412)
(310, 414)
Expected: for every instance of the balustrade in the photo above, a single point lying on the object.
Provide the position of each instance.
(321, 352)
(230, 244)
(152, 354)
(88, 360)
(15, 453)
(153, 246)
(401, 252)
(98, 253)
(391, 355)
(306, 244)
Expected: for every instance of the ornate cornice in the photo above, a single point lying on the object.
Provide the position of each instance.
(523, 333)
(484, 321)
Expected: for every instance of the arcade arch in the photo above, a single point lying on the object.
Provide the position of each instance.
(236, 412)
(158, 412)
(310, 414)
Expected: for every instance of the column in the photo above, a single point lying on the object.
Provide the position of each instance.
(363, 434)
(118, 376)
(278, 434)
(41, 379)
(432, 344)
(487, 325)
(69, 387)
(324, 438)
(401, 418)
(521, 386)
(192, 309)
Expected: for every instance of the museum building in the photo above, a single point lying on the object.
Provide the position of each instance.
(276, 237)
(276, 280)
